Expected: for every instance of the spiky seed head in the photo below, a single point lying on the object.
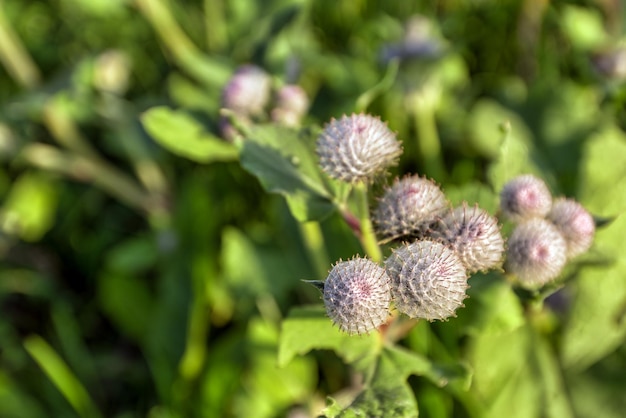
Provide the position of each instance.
(428, 280)
(248, 91)
(575, 224)
(536, 252)
(357, 148)
(525, 197)
(474, 235)
(357, 295)
(292, 104)
(408, 207)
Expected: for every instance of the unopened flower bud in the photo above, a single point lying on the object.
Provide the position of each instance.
(356, 148)
(525, 197)
(474, 235)
(428, 280)
(292, 104)
(408, 208)
(536, 252)
(574, 223)
(357, 295)
(248, 91)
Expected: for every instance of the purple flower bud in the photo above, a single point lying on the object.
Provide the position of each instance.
(427, 280)
(292, 104)
(408, 208)
(357, 295)
(248, 91)
(536, 252)
(525, 197)
(575, 224)
(356, 148)
(474, 235)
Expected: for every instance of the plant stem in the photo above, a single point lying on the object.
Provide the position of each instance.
(88, 170)
(368, 237)
(428, 142)
(215, 25)
(15, 57)
(314, 242)
(185, 52)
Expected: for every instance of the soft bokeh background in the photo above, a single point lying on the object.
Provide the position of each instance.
(136, 281)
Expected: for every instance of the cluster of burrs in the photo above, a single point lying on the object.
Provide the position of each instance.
(438, 246)
(251, 95)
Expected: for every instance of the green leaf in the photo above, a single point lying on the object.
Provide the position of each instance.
(583, 27)
(181, 134)
(283, 161)
(409, 363)
(308, 328)
(514, 153)
(269, 387)
(127, 301)
(252, 270)
(597, 321)
(61, 375)
(30, 207)
(388, 394)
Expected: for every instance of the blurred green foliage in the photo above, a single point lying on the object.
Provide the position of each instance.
(145, 271)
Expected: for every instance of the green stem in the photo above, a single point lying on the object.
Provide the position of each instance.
(88, 170)
(15, 57)
(215, 25)
(314, 242)
(428, 142)
(185, 52)
(367, 237)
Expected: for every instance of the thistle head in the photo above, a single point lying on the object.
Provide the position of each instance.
(356, 148)
(474, 235)
(357, 295)
(536, 252)
(574, 223)
(525, 197)
(292, 104)
(408, 207)
(248, 91)
(428, 280)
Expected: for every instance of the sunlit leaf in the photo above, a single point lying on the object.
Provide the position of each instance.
(596, 324)
(181, 134)
(308, 328)
(283, 161)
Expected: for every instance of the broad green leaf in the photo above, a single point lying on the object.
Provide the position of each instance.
(599, 391)
(508, 139)
(584, 27)
(492, 306)
(283, 161)
(410, 363)
(488, 122)
(596, 324)
(388, 395)
(127, 301)
(253, 270)
(503, 381)
(268, 387)
(308, 328)
(134, 255)
(30, 207)
(555, 399)
(181, 134)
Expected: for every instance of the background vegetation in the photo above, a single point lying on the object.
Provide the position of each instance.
(144, 272)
